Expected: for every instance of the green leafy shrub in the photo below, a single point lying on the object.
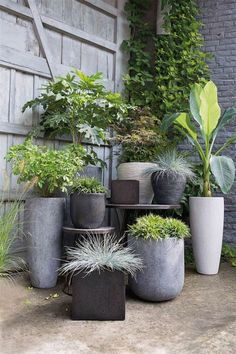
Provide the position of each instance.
(171, 163)
(156, 227)
(78, 105)
(49, 170)
(88, 185)
(140, 136)
(96, 253)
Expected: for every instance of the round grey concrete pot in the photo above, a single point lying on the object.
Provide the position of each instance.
(87, 209)
(207, 224)
(162, 277)
(168, 189)
(137, 171)
(43, 221)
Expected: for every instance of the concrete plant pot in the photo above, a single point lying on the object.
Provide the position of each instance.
(162, 277)
(98, 296)
(137, 171)
(43, 221)
(207, 224)
(87, 210)
(168, 189)
(124, 192)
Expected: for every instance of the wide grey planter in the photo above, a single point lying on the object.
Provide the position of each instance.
(207, 224)
(87, 210)
(168, 189)
(43, 220)
(137, 171)
(162, 277)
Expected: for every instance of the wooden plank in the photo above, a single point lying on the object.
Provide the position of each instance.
(42, 38)
(71, 52)
(101, 6)
(79, 34)
(4, 93)
(55, 45)
(15, 59)
(58, 26)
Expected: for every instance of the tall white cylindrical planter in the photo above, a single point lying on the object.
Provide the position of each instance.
(137, 171)
(207, 224)
(43, 221)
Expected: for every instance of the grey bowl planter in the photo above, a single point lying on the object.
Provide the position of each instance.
(162, 277)
(98, 296)
(168, 189)
(87, 210)
(43, 220)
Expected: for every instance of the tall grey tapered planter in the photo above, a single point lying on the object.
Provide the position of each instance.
(43, 220)
(162, 277)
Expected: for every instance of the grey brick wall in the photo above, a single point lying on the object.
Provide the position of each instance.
(219, 18)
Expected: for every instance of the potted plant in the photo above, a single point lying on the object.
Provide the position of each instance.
(97, 266)
(169, 176)
(87, 203)
(160, 243)
(140, 138)
(207, 212)
(78, 105)
(48, 171)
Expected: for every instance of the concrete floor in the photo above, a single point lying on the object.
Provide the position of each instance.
(201, 320)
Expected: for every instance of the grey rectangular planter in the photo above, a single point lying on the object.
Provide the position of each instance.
(98, 296)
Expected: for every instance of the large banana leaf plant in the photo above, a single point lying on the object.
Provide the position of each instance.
(205, 114)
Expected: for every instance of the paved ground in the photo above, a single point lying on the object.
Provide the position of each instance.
(201, 320)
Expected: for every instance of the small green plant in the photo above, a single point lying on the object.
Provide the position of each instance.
(78, 105)
(172, 163)
(206, 113)
(228, 253)
(140, 136)
(48, 169)
(88, 185)
(156, 227)
(96, 253)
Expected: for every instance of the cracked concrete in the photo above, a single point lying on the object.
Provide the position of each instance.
(201, 320)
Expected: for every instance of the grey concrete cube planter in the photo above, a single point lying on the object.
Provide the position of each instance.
(87, 210)
(162, 277)
(43, 220)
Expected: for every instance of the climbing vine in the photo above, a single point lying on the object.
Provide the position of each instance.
(179, 58)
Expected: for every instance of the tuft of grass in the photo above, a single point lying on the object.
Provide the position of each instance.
(172, 163)
(88, 185)
(156, 227)
(97, 253)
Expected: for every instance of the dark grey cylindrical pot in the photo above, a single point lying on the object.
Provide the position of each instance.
(87, 209)
(43, 221)
(168, 189)
(162, 277)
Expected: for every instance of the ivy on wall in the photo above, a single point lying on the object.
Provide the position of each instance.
(179, 58)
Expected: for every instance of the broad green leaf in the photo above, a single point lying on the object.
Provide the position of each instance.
(226, 144)
(228, 115)
(183, 120)
(194, 102)
(168, 121)
(209, 108)
(223, 170)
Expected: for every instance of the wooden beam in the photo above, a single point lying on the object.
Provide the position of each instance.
(61, 27)
(41, 35)
(101, 6)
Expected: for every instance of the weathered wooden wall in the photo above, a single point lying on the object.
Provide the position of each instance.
(85, 34)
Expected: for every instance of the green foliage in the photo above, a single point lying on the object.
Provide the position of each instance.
(78, 105)
(228, 253)
(48, 170)
(178, 56)
(171, 163)
(157, 228)
(88, 185)
(205, 112)
(140, 136)
(96, 253)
